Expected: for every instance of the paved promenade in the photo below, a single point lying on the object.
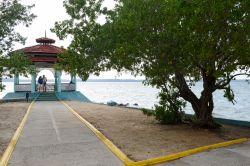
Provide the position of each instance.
(53, 136)
(235, 155)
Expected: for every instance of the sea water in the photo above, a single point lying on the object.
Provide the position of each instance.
(146, 96)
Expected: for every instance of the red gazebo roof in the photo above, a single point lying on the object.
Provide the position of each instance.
(44, 51)
(45, 40)
(43, 48)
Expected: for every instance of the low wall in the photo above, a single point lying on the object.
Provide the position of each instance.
(68, 87)
(19, 96)
(50, 87)
(23, 87)
(228, 121)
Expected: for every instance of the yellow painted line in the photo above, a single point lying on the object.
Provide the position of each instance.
(105, 140)
(188, 152)
(152, 161)
(8, 152)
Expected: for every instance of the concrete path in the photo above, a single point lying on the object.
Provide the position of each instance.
(236, 155)
(53, 136)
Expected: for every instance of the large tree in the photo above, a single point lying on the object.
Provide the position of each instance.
(174, 43)
(12, 13)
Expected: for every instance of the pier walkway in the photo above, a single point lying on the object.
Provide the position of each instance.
(53, 136)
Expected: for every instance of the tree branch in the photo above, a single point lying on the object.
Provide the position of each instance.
(222, 84)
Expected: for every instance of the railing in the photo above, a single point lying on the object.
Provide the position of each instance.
(22, 87)
(50, 87)
(68, 87)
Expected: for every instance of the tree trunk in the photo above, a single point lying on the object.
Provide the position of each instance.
(1, 78)
(203, 114)
(1, 83)
(203, 107)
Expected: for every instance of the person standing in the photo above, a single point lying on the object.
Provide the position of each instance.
(40, 83)
(27, 96)
(44, 83)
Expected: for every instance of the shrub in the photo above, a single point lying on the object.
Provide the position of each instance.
(169, 110)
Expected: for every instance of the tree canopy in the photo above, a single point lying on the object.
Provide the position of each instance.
(12, 13)
(173, 43)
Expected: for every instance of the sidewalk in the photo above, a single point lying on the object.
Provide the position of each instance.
(53, 136)
(236, 155)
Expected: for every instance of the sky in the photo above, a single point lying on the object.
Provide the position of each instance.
(48, 12)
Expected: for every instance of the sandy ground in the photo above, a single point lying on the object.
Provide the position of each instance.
(141, 137)
(11, 114)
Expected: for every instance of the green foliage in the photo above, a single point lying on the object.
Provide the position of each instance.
(83, 24)
(19, 63)
(165, 115)
(229, 94)
(69, 61)
(2, 87)
(147, 112)
(169, 109)
(173, 43)
(15, 63)
(12, 13)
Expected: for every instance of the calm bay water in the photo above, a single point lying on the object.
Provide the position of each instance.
(146, 97)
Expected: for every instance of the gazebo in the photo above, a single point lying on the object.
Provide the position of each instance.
(44, 56)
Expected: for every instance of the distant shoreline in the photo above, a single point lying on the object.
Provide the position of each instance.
(79, 80)
(99, 80)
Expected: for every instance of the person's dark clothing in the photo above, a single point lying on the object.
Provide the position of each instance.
(40, 80)
(27, 96)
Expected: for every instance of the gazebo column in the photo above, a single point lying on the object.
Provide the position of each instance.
(58, 81)
(55, 86)
(73, 80)
(33, 82)
(16, 81)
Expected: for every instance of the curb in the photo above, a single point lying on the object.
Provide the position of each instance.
(188, 152)
(99, 135)
(10, 148)
(128, 162)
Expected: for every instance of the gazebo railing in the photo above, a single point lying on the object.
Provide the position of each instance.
(50, 87)
(68, 87)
